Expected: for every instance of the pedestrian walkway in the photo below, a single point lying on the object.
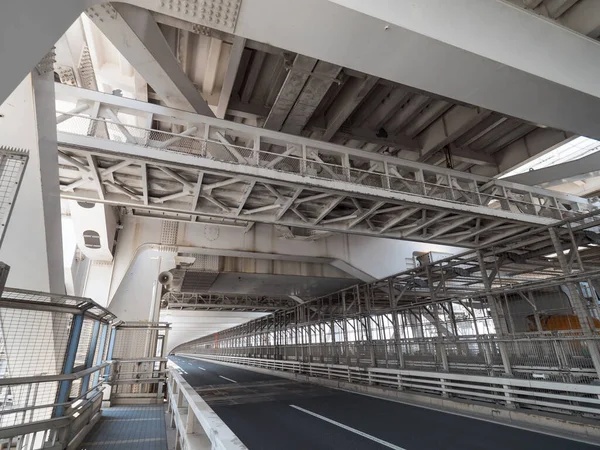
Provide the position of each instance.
(129, 428)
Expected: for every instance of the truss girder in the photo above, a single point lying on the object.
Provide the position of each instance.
(227, 170)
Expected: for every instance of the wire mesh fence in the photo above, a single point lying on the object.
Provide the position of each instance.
(44, 339)
(12, 168)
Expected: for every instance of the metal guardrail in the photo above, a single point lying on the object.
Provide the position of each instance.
(197, 425)
(60, 357)
(135, 381)
(564, 398)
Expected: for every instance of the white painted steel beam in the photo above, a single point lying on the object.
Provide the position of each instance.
(136, 35)
(226, 205)
(568, 172)
(235, 57)
(547, 80)
(351, 95)
(32, 244)
(414, 173)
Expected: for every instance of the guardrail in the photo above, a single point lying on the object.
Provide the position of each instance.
(197, 425)
(564, 398)
(136, 381)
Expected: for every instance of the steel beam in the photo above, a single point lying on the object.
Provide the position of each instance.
(135, 33)
(558, 174)
(523, 77)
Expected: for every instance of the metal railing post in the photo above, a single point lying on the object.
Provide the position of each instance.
(65, 386)
(100, 357)
(111, 346)
(89, 360)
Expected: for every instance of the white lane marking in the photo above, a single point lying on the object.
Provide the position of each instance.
(483, 419)
(228, 379)
(347, 428)
(201, 368)
(179, 368)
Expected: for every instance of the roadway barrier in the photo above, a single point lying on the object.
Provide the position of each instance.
(197, 426)
(563, 398)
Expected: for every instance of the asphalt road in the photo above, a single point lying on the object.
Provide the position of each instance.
(204, 373)
(269, 413)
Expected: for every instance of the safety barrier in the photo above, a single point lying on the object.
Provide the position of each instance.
(564, 398)
(197, 425)
(60, 357)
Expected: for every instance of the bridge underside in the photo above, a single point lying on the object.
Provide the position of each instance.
(238, 175)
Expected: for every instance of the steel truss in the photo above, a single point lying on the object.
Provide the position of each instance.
(221, 170)
(482, 312)
(224, 302)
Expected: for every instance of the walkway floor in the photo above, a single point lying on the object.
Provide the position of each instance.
(136, 427)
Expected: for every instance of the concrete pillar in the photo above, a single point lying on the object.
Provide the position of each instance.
(33, 242)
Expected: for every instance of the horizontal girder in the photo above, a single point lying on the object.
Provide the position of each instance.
(216, 168)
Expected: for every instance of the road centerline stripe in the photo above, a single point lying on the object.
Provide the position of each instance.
(347, 428)
(228, 379)
(201, 368)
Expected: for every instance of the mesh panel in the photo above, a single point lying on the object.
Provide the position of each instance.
(35, 341)
(25, 395)
(84, 342)
(134, 343)
(12, 167)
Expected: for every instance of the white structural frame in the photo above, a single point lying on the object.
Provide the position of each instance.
(221, 169)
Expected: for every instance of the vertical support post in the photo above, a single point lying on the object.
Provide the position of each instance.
(345, 329)
(577, 301)
(256, 151)
(346, 165)
(111, 346)
(89, 361)
(441, 349)
(99, 358)
(65, 386)
(399, 355)
(497, 317)
(303, 160)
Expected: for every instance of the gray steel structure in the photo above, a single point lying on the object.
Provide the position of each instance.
(223, 302)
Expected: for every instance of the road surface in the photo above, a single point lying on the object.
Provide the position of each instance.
(272, 413)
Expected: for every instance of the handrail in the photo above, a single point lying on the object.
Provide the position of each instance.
(49, 378)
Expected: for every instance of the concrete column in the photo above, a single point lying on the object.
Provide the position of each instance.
(33, 242)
